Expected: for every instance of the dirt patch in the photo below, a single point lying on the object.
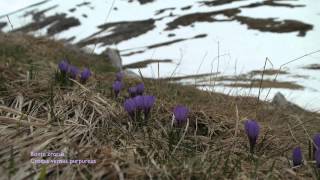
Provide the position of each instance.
(142, 1)
(200, 36)
(189, 19)
(218, 2)
(59, 23)
(186, 8)
(133, 53)
(40, 15)
(267, 84)
(145, 63)
(160, 11)
(271, 3)
(312, 67)
(2, 25)
(269, 72)
(72, 10)
(193, 76)
(156, 46)
(260, 24)
(86, 3)
(25, 8)
(301, 76)
(273, 25)
(63, 25)
(243, 80)
(121, 31)
(166, 43)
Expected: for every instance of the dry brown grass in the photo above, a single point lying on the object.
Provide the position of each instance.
(87, 122)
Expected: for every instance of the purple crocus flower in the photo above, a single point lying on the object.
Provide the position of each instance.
(63, 66)
(148, 102)
(316, 140)
(130, 107)
(73, 72)
(297, 156)
(180, 114)
(252, 130)
(119, 76)
(117, 86)
(139, 100)
(132, 91)
(140, 88)
(85, 74)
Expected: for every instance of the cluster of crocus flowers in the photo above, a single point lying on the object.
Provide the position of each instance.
(130, 107)
(252, 130)
(297, 156)
(117, 86)
(180, 114)
(68, 70)
(140, 89)
(139, 104)
(84, 75)
(63, 66)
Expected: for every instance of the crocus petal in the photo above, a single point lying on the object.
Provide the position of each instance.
(117, 86)
(85, 74)
(130, 107)
(297, 156)
(180, 114)
(63, 66)
(148, 102)
(140, 89)
(316, 140)
(139, 102)
(252, 130)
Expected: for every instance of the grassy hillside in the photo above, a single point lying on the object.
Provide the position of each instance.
(87, 122)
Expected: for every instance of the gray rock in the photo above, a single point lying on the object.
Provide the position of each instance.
(131, 74)
(280, 100)
(114, 57)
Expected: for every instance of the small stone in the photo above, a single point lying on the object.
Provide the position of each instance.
(280, 100)
(114, 57)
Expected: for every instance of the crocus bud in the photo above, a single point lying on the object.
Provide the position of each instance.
(140, 88)
(252, 130)
(297, 156)
(85, 74)
(117, 86)
(180, 114)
